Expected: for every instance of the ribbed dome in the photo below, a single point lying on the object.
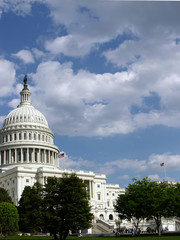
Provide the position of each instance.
(25, 113)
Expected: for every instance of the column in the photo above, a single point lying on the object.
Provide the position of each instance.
(49, 155)
(92, 189)
(0, 157)
(21, 155)
(89, 189)
(10, 158)
(53, 157)
(27, 155)
(15, 155)
(38, 156)
(44, 156)
(33, 153)
(4, 156)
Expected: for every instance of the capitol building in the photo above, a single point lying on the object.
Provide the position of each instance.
(28, 155)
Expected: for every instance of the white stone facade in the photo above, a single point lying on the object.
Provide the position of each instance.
(28, 155)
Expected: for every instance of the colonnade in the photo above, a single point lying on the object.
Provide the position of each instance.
(27, 155)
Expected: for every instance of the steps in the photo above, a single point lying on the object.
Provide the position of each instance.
(101, 227)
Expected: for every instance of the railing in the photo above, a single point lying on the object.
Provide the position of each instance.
(105, 224)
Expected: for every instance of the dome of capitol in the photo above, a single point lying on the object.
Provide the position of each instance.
(25, 113)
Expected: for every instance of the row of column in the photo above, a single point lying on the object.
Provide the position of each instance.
(27, 155)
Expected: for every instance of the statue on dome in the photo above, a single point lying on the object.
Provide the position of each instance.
(25, 79)
(25, 83)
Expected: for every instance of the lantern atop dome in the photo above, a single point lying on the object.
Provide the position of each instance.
(25, 94)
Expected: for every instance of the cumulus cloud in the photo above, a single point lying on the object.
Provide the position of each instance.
(171, 161)
(126, 177)
(92, 104)
(7, 77)
(74, 163)
(68, 45)
(20, 7)
(101, 104)
(24, 55)
(134, 168)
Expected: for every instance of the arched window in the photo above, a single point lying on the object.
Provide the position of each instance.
(110, 217)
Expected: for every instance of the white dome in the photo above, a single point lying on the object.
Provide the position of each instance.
(25, 114)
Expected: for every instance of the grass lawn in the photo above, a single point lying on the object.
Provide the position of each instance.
(95, 238)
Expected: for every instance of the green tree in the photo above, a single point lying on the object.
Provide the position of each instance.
(29, 209)
(51, 206)
(9, 218)
(131, 205)
(4, 196)
(161, 202)
(176, 195)
(147, 200)
(68, 205)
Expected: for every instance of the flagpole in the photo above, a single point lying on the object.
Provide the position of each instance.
(164, 165)
(165, 172)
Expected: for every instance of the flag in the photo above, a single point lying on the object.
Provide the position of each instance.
(162, 164)
(61, 155)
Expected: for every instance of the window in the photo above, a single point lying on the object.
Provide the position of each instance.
(29, 136)
(34, 136)
(108, 203)
(25, 136)
(20, 136)
(98, 186)
(39, 137)
(99, 196)
(15, 136)
(10, 137)
(27, 180)
(113, 194)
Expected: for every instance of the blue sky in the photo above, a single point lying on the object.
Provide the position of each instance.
(106, 76)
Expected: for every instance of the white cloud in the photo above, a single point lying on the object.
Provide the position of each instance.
(171, 162)
(37, 53)
(7, 77)
(100, 104)
(2, 120)
(14, 103)
(20, 7)
(125, 177)
(68, 45)
(25, 55)
(70, 162)
(154, 177)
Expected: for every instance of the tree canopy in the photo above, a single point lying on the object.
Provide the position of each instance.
(66, 205)
(4, 196)
(145, 199)
(58, 207)
(29, 209)
(9, 218)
